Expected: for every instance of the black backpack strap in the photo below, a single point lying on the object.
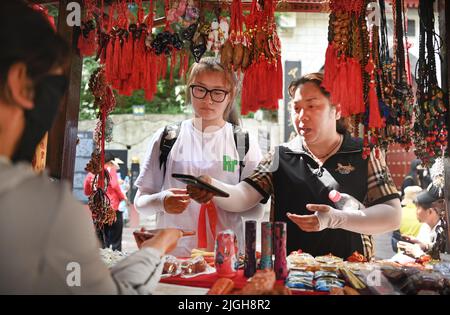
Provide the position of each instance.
(242, 142)
(168, 138)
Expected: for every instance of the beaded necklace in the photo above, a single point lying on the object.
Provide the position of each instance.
(430, 131)
(104, 100)
(319, 158)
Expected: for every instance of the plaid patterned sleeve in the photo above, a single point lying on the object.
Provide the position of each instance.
(261, 179)
(380, 186)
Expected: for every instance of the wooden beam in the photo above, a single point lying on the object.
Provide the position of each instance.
(444, 30)
(283, 6)
(63, 136)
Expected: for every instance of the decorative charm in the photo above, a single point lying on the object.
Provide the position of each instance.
(189, 32)
(344, 169)
(104, 100)
(263, 81)
(343, 60)
(165, 42)
(175, 14)
(192, 12)
(87, 41)
(198, 50)
(218, 35)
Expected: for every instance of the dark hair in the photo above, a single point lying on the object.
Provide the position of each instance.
(27, 36)
(438, 206)
(343, 124)
(109, 157)
(432, 197)
(212, 64)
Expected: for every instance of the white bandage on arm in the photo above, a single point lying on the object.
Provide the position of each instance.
(377, 219)
(242, 196)
(150, 204)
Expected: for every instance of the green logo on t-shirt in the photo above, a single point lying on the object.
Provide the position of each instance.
(229, 164)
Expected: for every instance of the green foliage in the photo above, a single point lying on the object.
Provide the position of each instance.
(169, 99)
(87, 110)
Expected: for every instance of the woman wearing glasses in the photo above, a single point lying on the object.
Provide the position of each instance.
(204, 144)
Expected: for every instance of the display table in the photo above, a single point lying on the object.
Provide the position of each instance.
(173, 289)
(207, 280)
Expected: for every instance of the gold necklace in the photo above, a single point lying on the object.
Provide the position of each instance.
(329, 153)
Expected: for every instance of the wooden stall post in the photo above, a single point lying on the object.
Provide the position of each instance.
(63, 136)
(444, 30)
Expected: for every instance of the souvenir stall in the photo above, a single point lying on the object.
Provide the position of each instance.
(373, 85)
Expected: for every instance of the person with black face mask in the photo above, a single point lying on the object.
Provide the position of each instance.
(49, 91)
(47, 237)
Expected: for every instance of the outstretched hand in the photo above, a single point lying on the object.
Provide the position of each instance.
(176, 202)
(165, 240)
(310, 222)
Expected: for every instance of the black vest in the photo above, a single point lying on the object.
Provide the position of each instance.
(298, 180)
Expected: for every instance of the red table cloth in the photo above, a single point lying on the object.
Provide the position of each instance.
(207, 280)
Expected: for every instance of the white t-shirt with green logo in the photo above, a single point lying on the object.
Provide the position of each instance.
(198, 153)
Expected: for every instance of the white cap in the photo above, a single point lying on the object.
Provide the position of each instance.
(116, 162)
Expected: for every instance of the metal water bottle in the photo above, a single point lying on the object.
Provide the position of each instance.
(280, 235)
(226, 254)
(250, 248)
(266, 246)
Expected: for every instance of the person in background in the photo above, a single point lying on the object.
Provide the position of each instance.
(429, 209)
(124, 204)
(409, 225)
(112, 234)
(45, 233)
(417, 176)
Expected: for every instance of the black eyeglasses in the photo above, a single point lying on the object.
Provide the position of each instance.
(217, 95)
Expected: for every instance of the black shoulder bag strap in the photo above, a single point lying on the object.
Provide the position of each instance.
(242, 142)
(168, 138)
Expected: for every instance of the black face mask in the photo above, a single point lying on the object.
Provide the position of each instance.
(39, 120)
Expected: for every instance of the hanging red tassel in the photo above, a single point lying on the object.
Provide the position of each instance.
(109, 60)
(108, 54)
(375, 120)
(335, 90)
(87, 45)
(357, 91)
(87, 41)
(344, 85)
(173, 60)
(265, 94)
(262, 83)
(116, 60)
(154, 73)
(142, 60)
(127, 57)
(330, 68)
